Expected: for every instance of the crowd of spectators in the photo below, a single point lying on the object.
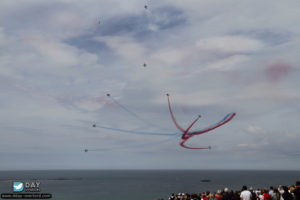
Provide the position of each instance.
(273, 193)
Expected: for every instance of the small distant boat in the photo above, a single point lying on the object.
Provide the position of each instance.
(205, 180)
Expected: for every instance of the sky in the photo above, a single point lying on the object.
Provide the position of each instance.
(59, 59)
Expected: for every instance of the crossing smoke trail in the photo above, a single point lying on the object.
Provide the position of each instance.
(134, 114)
(138, 132)
(186, 135)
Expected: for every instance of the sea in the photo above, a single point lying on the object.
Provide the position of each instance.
(141, 184)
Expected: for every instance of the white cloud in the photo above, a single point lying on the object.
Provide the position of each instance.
(229, 44)
(256, 130)
(228, 63)
(248, 145)
(153, 27)
(209, 63)
(90, 104)
(60, 54)
(170, 57)
(124, 46)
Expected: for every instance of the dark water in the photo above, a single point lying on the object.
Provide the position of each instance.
(142, 184)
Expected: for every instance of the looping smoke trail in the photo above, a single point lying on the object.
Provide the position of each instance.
(186, 135)
(187, 147)
(187, 130)
(226, 119)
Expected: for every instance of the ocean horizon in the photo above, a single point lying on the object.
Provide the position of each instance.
(142, 184)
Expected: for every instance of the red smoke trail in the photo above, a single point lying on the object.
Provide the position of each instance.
(186, 135)
(172, 116)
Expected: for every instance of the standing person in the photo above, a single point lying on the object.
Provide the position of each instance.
(246, 194)
(172, 197)
(271, 190)
(235, 195)
(219, 196)
(253, 194)
(297, 191)
(257, 191)
(211, 196)
(261, 195)
(286, 194)
(267, 196)
(203, 196)
(276, 194)
(226, 195)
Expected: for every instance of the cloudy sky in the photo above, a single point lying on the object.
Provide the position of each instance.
(59, 59)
